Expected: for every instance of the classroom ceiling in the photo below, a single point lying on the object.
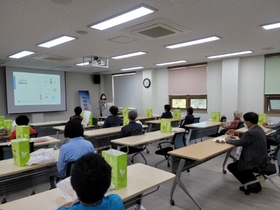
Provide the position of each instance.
(27, 23)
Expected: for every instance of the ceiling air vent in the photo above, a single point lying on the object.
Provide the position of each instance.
(52, 58)
(156, 29)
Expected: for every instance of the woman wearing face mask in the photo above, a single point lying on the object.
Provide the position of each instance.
(102, 103)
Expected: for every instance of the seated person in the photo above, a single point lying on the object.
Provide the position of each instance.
(114, 119)
(167, 113)
(133, 127)
(275, 138)
(91, 178)
(75, 148)
(253, 153)
(22, 120)
(233, 125)
(189, 117)
(78, 110)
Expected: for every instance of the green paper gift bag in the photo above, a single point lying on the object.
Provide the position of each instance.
(2, 118)
(21, 151)
(89, 118)
(23, 132)
(215, 116)
(177, 113)
(125, 116)
(118, 161)
(8, 125)
(149, 112)
(165, 125)
(262, 119)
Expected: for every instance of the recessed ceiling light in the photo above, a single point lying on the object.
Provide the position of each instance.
(271, 26)
(132, 68)
(230, 54)
(21, 54)
(129, 55)
(194, 42)
(170, 63)
(123, 17)
(82, 64)
(57, 41)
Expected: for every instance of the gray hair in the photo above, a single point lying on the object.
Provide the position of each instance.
(132, 115)
(238, 114)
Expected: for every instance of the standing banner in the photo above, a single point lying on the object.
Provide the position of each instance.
(85, 103)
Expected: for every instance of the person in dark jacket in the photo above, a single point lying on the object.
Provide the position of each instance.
(114, 119)
(253, 153)
(189, 117)
(167, 113)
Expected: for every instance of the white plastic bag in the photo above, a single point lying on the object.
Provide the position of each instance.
(86, 118)
(66, 191)
(41, 156)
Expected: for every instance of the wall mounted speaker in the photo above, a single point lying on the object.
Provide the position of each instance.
(96, 79)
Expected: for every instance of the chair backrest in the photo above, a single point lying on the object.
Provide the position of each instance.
(34, 135)
(196, 120)
(240, 125)
(69, 167)
(178, 140)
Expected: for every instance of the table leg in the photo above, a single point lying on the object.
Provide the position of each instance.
(226, 159)
(178, 181)
(150, 127)
(57, 134)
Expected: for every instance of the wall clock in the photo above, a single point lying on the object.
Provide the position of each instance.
(147, 82)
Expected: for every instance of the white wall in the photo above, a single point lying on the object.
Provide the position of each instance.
(248, 94)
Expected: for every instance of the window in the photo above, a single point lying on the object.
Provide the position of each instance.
(197, 102)
(271, 84)
(272, 103)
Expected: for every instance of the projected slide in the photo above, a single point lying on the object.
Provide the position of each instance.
(36, 89)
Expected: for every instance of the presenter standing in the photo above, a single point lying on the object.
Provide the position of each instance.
(102, 103)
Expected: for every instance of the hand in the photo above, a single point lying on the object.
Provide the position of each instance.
(265, 124)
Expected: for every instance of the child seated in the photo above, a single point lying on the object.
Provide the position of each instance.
(22, 120)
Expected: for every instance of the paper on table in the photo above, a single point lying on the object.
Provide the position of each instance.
(40, 139)
(178, 130)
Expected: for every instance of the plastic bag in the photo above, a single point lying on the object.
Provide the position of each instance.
(41, 156)
(66, 191)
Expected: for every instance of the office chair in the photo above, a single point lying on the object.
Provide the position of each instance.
(54, 179)
(267, 173)
(196, 120)
(177, 142)
(240, 125)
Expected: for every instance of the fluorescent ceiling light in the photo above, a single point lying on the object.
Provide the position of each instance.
(82, 64)
(194, 42)
(123, 17)
(170, 63)
(123, 74)
(129, 55)
(132, 68)
(57, 41)
(21, 54)
(230, 54)
(271, 26)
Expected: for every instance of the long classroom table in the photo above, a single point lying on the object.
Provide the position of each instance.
(266, 130)
(193, 155)
(48, 140)
(139, 181)
(199, 130)
(150, 123)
